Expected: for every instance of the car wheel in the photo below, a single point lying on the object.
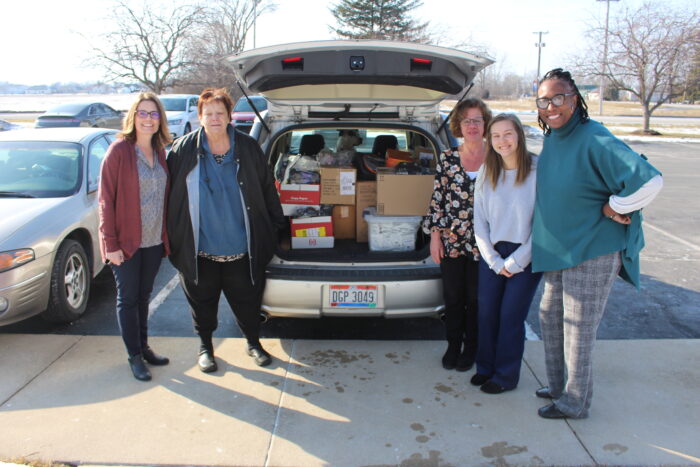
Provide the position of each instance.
(188, 128)
(70, 284)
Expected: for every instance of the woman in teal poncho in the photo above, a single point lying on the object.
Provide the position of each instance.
(586, 230)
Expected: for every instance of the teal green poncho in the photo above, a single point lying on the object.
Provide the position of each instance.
(580, 166)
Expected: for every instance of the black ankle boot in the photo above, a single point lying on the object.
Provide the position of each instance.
(138, 368)
(449, 360)
(153, 358)
(465, 361)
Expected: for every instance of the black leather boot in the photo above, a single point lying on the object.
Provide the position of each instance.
(153, 358)
(449, 360)
(138, 368)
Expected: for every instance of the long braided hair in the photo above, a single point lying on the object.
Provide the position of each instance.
(565, 76)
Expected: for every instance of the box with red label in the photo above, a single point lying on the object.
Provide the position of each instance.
(292, 196)
(312, 242)
(321, 226)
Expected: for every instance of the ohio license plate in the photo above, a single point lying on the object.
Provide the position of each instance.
(346, 296)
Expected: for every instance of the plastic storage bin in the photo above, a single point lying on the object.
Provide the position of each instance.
(391, 233)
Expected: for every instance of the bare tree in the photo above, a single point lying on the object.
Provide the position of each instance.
(648, 48)
(225, 28)
(149, 46)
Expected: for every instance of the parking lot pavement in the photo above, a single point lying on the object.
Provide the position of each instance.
(344, 403)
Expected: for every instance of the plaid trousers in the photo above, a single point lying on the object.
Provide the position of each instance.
(571, 308)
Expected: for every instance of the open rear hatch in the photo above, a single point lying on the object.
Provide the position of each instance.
(361, 71)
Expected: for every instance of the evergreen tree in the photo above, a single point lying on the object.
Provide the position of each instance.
(378, 19)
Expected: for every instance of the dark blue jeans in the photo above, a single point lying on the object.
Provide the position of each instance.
(135, 278)
(503, 306)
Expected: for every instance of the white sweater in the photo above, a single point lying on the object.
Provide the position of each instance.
(504, 214)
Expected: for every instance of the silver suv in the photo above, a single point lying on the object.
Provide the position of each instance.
(357, 101)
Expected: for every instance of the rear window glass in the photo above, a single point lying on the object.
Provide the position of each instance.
(173, 104)
(39, 169)
(244, 106)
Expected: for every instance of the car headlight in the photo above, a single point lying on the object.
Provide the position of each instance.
(14, 258)
(175, 122)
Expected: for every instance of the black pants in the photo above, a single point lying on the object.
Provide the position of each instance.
(460, 292)
(244, 297)
(134, 278)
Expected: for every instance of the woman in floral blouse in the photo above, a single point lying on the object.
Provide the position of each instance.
(450, 224)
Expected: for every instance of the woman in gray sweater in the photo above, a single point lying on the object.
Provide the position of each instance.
(504, 202)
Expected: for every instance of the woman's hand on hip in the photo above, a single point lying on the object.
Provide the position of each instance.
(115, 257)
(614, 216)
(437, 250)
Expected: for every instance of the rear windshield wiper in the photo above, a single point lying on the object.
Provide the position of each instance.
(15, 194)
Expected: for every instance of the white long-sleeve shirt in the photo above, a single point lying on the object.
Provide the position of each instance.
(504, 214)
(638, 199)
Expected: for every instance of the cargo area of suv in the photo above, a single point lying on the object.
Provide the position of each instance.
(352, 134)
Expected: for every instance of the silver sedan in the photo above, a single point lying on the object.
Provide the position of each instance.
(49, 250)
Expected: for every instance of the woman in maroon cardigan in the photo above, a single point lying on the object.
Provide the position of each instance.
(133, 192)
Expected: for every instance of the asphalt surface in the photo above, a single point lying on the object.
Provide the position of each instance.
(667, 305)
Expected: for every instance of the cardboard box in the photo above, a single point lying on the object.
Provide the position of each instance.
(365, 197)
(404, 195)
(300, 194)
(338, 185)
(321, 226)
(312, 242)
(293, 196)
(343, 221)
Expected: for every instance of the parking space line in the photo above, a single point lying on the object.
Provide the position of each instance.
(162, 295)
(671, 236)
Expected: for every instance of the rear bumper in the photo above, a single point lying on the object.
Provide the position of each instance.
(301, 298)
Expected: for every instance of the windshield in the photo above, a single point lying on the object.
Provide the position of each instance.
(173, 104)
(243, 106)
(67, 109)
(39, 169)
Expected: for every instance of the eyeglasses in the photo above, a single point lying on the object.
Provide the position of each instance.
(556, 100)
(143, 114)
(472, 121)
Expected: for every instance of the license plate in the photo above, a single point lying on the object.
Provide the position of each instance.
(353, 296)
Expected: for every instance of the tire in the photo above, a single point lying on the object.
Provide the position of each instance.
(70, 284)
(188, 128)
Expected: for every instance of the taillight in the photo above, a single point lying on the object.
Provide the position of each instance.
(421, 64)
(293, 63)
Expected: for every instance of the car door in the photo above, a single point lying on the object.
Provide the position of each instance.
(96, 152)
(94, 118)
(113, 118)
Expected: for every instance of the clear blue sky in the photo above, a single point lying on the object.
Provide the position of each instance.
(44, 41)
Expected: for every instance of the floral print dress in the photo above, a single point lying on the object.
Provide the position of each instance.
(452, 207)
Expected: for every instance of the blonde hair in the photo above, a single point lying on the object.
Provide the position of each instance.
(493, 163)
(162, 137)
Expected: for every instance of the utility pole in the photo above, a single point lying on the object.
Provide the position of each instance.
(539, 46)
(605, 55)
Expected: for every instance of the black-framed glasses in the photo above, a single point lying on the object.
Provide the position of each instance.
(556, 100)
(143, 114)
